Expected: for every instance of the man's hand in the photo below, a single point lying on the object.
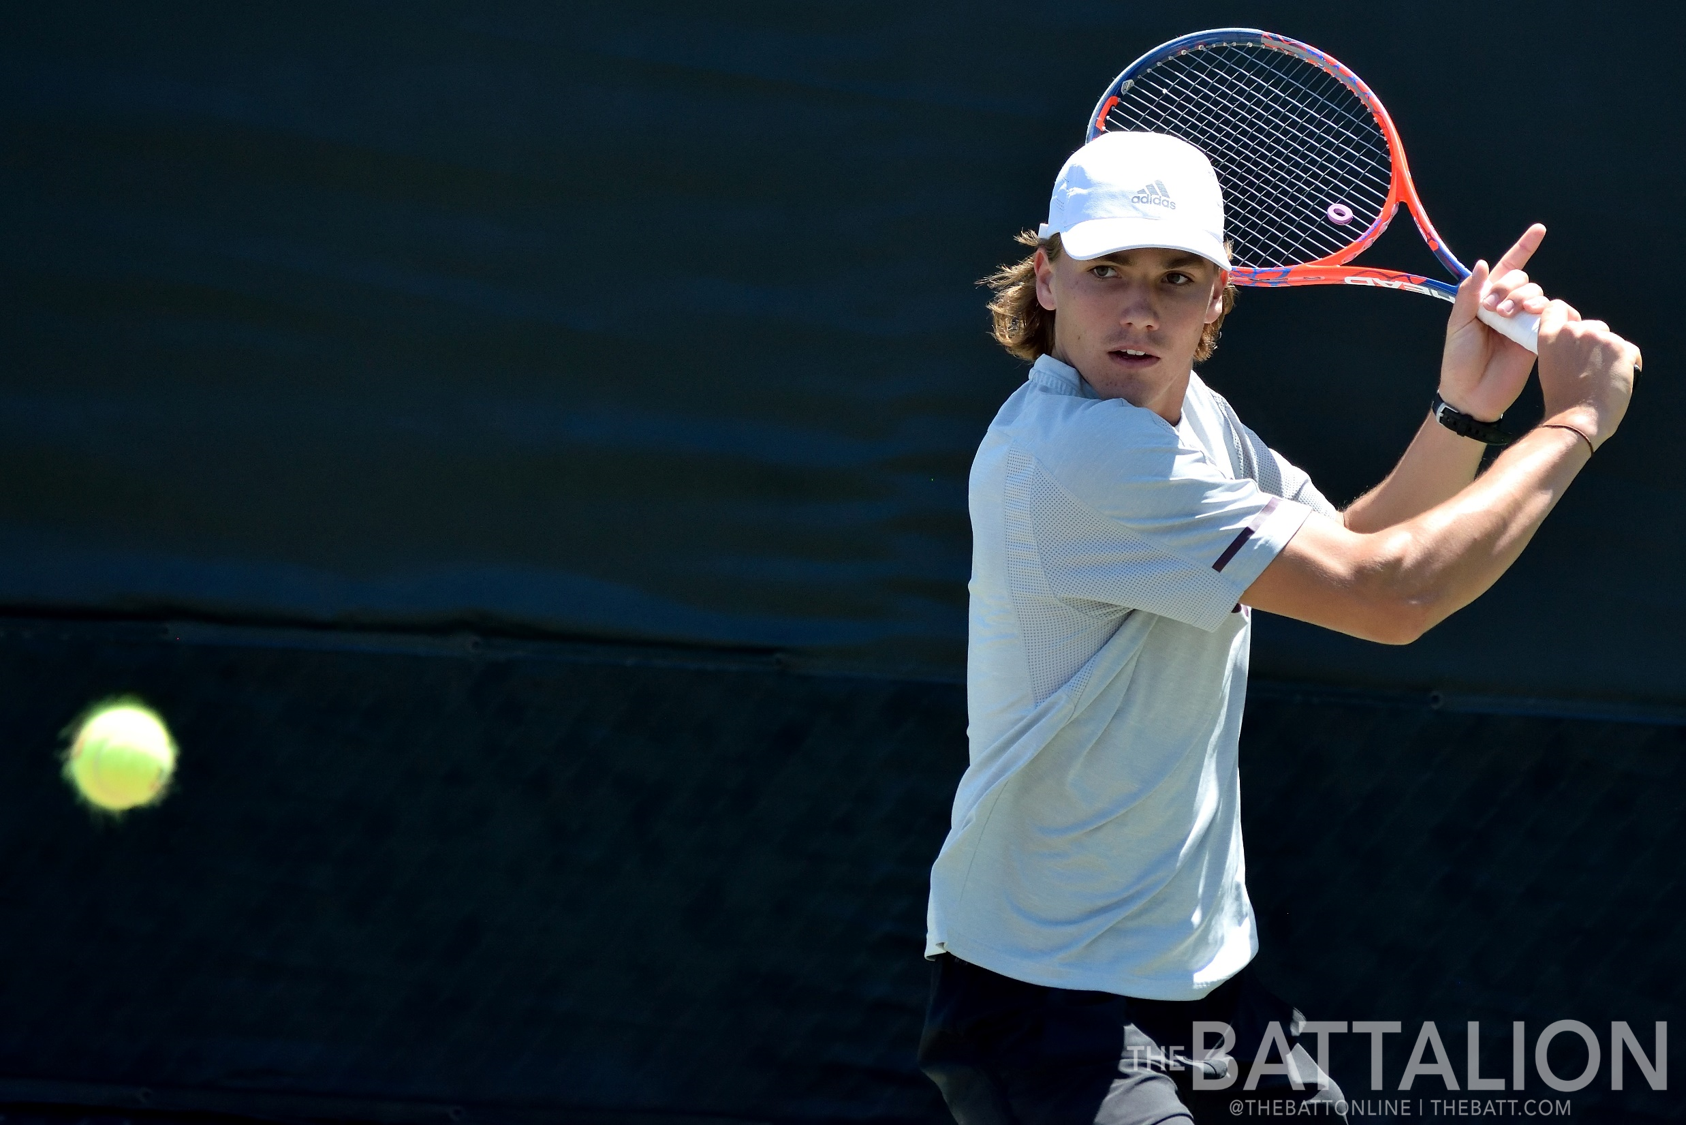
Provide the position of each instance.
(1482, 372)
(1391, 582)
(1587, 373)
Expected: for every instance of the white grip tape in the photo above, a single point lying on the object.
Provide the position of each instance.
(1524, 328)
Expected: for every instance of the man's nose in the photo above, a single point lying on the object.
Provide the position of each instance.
(1136, 308)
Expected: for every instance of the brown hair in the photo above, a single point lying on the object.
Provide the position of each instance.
(1026, 329)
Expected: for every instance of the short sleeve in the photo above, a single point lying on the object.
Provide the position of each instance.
(1297, 486)
(1149, 523)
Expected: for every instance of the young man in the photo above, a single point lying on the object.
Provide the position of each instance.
(1089, 906)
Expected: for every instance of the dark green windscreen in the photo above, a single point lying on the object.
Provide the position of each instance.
(644, 321)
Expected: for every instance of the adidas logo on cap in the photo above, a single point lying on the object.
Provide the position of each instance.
(1126, 190)
(1154, 193)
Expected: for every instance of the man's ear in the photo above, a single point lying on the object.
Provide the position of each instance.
(1044, 269)
(1215, 307)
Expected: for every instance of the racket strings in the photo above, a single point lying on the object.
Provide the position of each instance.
(1338, 160)
(1318, 122)
(1248, 225)
(1287, 139)
(1259, 222)
(1268, 230)
(1337, 164)
(1259, 233)
(1231, 81)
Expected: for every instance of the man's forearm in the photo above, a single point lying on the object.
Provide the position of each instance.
(1436, 465)
(1392, 584)
(1395, 584)
(1457, 549)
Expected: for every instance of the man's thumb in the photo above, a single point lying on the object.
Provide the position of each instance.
(1470, 294)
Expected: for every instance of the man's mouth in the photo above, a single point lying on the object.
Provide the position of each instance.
(1133, 357)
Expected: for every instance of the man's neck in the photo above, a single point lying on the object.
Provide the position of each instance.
(1163, 397)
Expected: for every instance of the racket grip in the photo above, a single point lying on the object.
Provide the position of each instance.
(1524, 328)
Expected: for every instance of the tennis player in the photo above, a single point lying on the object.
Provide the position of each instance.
(1089, 912)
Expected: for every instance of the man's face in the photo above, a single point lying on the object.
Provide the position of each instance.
(1130, 322)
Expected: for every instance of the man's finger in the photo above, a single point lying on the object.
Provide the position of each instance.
(1469, 294)
(1521, 250)
(1553, 318)
(1500, 286)
(1527, 297)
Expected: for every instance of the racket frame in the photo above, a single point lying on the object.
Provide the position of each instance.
(1333, 268)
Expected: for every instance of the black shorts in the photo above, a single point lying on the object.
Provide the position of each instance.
(1009, 1053)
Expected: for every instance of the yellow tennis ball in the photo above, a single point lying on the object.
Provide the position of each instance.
(121, 756)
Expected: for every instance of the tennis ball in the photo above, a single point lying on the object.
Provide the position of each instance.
(120, 756)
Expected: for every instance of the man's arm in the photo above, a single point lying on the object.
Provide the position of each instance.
(1394, 584)
(1434, 468)
(1482, 373)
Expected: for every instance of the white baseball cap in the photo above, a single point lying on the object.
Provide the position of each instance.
(1127, 191)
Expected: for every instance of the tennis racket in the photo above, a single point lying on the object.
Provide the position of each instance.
(1311, 165)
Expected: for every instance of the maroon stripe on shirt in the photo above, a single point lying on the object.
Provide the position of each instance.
(1245, 534)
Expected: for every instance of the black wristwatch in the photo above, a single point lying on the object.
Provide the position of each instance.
(1465, 426)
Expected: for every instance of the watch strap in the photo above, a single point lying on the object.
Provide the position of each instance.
(1465, 426)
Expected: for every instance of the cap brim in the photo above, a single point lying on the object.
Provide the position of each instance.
(1098, 237)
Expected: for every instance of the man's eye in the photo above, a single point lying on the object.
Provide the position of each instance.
(1104, 271)
(1179, 278)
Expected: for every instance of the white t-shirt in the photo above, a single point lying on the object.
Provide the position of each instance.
(1096, 839)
